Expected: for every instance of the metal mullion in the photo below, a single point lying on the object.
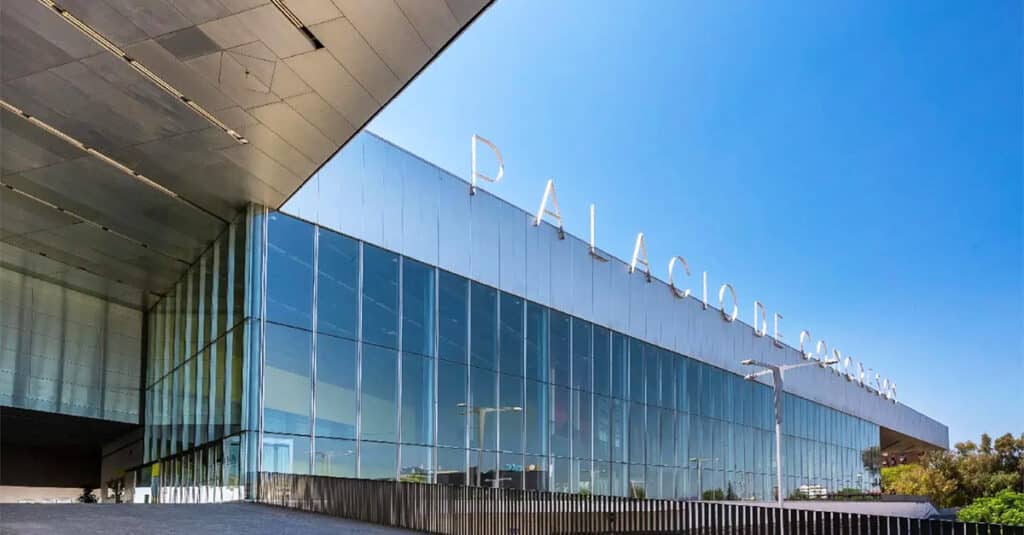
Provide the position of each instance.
(398, 371)
(313, 346)
(359, 363)
(435, 334)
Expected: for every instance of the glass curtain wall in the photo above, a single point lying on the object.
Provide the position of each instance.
(379, 366)
(196, 358)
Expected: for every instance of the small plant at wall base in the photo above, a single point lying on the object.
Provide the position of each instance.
(1006, 507)
(88, 496)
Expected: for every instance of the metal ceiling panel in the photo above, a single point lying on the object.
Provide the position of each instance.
(433, 22)
(390, 33)
(359, 59)
(319, 113)
(335, 84)
(220, 103)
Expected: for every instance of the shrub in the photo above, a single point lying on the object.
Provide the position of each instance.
(1006, 507)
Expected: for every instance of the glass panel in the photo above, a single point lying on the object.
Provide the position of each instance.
(652, 364)
(511, 335)
(486, 476)
(535, 472)
(335, 387)
(287, 390)
(289, 271)
(379, 397)
(602, 361)
(417, 308)
(511, 421)
(636, 371)
(668, 436)
(451, 466)
(220, 385)
(417, 465)
(561, 475)
(560, 426)
(559, 332)
(602, 428)
(582, 366)
(536, 342)
(417, 399)
(483, 342)
(451, 392)
(582, 447)
(511, 471)
(535, 413)
(285, 454)
(377, 460)
(636, 433)
(620, 427)
(337, 285)
(483, 402)
(620, 356)
(380, 297)
(334, 457)
(453, 317)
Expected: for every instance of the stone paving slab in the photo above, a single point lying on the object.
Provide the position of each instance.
(192, 519)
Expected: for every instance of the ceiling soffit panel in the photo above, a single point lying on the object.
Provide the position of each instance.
(190, 109)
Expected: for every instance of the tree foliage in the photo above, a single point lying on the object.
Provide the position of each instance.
(958, 477)
(1006, 507)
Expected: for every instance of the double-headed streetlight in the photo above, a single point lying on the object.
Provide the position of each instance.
(481, 417)
(777, 370)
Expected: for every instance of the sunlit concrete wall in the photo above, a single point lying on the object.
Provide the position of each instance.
(67, 352)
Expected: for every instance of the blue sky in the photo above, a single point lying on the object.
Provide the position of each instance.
(856, 166)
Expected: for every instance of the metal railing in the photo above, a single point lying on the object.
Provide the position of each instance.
(459, 510)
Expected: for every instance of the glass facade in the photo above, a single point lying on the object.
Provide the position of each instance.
(292, 348)
(379, 366)
(197, 360)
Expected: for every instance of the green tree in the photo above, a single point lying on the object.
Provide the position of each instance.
(1006, 507)
(958, 477)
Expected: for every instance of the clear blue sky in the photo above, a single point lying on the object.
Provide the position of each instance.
(855, 166)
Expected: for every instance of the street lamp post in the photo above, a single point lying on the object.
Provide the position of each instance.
(481, 418)
(700, 473)
(777, 372)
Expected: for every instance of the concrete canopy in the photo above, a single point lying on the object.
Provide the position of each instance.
(134, 130)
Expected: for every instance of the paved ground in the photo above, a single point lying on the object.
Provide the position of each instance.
(107, 519)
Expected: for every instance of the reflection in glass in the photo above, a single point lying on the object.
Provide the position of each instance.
(335, 387)
(379, 398)
(417, 308)
(483, 395)
(453, 317)
(511, 422)
(451, 392)
(511, 335)
(581, 355)
(417, 465)
(337, 284)
(483, 340)
(417, 399)
(334, 457)
(451, 466)
(559, 348)
(378, 460)
(289, 271)
(287, 388)
(380, 297)
(535, 415)
(536, 342)
(286, 454)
